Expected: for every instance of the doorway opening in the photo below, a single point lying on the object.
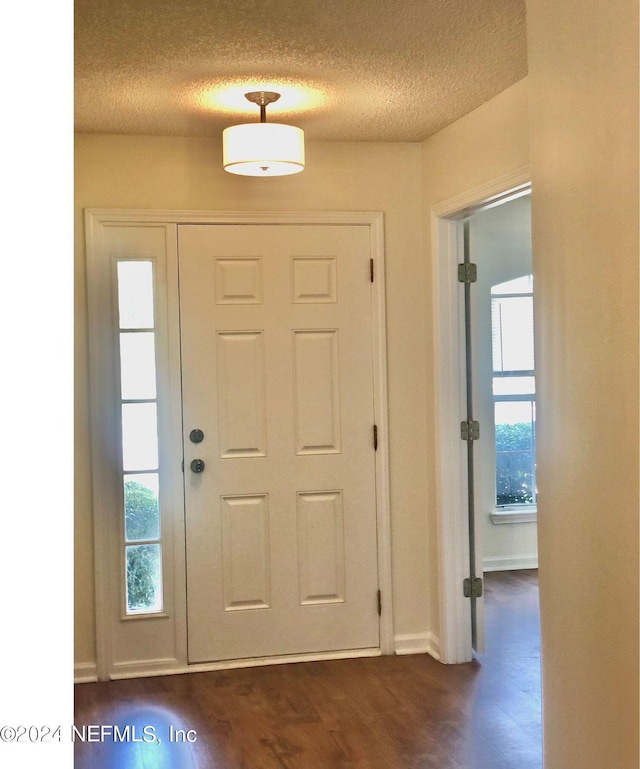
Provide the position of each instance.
(496, 298)
(469, 499)
(500, 314)
(487, 489)
(503, 385)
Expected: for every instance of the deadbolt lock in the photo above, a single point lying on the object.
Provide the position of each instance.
(196, 436)
(197, 465)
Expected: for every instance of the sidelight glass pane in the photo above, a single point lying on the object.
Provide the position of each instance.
(135, 294)
(138, 365)
(141, 511)
(142, 550)
(139, 436)
(144, 580)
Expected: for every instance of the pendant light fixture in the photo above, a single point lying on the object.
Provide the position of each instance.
(263, 149)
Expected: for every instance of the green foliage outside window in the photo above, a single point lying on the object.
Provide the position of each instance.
(143, 577)
(140, 512)
(515, 483)
(142, 561)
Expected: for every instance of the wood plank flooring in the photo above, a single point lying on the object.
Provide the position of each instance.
(403, 712)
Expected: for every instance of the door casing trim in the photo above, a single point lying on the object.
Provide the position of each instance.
(101, 366)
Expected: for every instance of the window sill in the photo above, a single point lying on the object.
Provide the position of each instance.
(520, 514)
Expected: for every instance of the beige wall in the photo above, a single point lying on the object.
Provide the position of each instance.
(179, 173)
(584, 158)
(486, 144)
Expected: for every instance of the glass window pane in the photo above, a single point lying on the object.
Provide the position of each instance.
(515, 452)
(512, 333)
(141, 511)
(139, 436)
(514, 385)
(135, 294)
(138, 365)
(514, 412)
(515, 478)
(514, 437)
(144, 582)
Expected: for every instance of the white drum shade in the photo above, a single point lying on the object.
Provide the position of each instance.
(263, 149)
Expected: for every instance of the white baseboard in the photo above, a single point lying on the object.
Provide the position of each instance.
(509, 563)
(85, 673)
(418, 643)
(413, 643)
(152, 668)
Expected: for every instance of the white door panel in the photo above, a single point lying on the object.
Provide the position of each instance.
(277, 365)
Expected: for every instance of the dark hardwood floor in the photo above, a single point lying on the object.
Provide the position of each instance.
(404, 712)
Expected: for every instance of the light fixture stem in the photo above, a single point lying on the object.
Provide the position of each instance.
(262, 98)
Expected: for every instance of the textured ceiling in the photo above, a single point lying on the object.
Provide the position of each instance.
(349, 70)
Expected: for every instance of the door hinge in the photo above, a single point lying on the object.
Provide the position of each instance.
(379, 603)
(375, 437)
(371, 270)
(472, 587)
(470, 430)
(467, 272)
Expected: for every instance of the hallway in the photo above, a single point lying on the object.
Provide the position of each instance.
(402, 712)
(508, 697)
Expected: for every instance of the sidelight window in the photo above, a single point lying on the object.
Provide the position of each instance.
(141, 543)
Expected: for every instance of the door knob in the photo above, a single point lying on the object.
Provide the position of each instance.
(197, 465)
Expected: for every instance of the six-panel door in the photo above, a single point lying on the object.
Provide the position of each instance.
(277, 366)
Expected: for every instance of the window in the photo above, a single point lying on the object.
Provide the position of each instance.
(514, 391)
(139, 419)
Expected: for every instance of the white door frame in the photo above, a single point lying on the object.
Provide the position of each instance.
(103, 380)
(450, 393)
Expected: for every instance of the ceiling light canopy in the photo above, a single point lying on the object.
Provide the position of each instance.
(263, 149)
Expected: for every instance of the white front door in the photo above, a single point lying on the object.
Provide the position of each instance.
(277, 367)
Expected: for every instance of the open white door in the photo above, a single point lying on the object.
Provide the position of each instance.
(470, 433)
